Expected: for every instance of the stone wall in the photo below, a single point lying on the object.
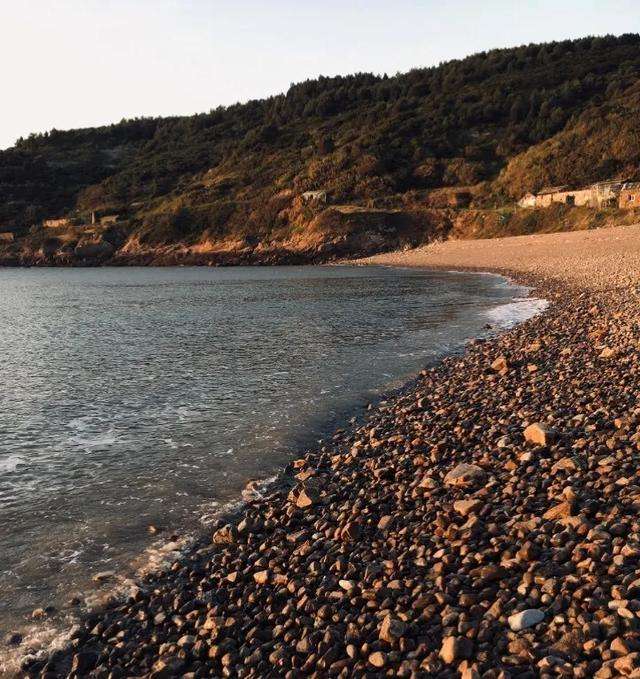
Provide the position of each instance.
(630, 197)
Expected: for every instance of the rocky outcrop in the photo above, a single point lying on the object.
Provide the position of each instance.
(94, 250)
(318, 236)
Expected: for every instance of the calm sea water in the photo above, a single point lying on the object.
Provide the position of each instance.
(150, 396)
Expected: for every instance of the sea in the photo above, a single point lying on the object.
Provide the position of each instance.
(149, 397)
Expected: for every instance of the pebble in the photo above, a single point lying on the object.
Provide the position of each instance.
(539, 433)
(455, 648)
(465, 475)
(13, 639)
(478, 523)
(525, 619)
(102, 576)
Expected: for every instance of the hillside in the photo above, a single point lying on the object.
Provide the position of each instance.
(601, 143)
(391, 153)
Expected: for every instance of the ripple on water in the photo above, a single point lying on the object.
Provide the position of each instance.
(148, 396)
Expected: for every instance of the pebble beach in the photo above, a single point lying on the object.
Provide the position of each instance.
(481, 523)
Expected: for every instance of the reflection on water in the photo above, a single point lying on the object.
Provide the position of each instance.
(138, 396)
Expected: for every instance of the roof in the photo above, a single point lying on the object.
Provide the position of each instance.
(631, 185)
(608, 182)
(552, 189)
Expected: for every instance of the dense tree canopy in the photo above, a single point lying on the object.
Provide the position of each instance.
(362, 137)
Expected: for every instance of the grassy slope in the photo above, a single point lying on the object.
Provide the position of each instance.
(603, 142)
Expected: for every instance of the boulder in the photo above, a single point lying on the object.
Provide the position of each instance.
(93, 249)
(262, 577)
(103, 575)
(226, 535)
(500, 365)
(378, 659)
(565, 464)
(465, 475)
(84, 662)
(305, 494)
(525, 619)
(168, 667)
(466, 507)
(391, 629)
(539, 434)
(385, 522)
(559, 511)
(455, 648)
(608, 352)
(13, 639)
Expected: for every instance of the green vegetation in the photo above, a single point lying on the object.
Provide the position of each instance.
(500, 122)
(601, 143)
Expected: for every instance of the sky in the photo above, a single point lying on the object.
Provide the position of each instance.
(79, 63)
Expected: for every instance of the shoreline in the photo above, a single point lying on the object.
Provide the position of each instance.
(593, 259)
(50, 631)
(483, 545)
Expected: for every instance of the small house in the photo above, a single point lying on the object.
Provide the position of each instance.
(549, 195)
(600, 194)
(55, 223)
(606, 194)
(314, 197)
(578, 197)
(630, 196)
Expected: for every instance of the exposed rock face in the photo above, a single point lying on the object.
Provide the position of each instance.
(99, 249)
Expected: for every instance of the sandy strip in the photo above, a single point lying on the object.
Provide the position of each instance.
(597, 259)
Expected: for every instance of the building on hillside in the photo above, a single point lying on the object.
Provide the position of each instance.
(314, 197)
(549, 195)
(6, 237)
(630, 195)
(578, 197)
(606, 194)
(55, 223)
(600, 194)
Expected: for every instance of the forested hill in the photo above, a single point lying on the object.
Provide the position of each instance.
(383, 148)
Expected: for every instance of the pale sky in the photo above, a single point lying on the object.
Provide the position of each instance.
(78, 63)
